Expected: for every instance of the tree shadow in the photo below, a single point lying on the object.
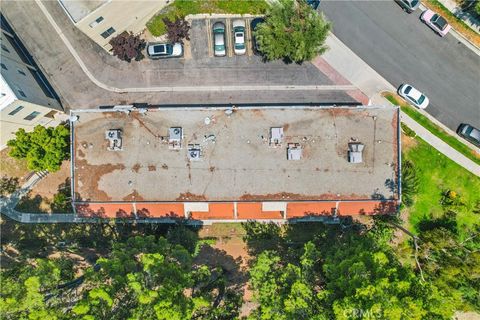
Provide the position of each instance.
(448, 221)
(31, 204)
(62, 199)
(262, 236)
(228, 279)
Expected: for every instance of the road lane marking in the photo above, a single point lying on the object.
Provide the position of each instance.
(229, 36)
(209, 37)
(248, 40)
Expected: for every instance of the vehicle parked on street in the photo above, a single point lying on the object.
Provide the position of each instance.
(164, 50)
(470, 133)
(313, 3)
(413, 96)
(436, 22)
(253, 26)
(239, 37)
(409, 5)
(219, 49)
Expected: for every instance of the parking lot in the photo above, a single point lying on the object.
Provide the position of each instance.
(202, 38)
(182, 75)
(201, 42)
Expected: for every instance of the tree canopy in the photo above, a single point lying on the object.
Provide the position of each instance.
(142, 278)
(127, 46)
(43, 148)
(292, 31)
(341, 274)
(177, 30)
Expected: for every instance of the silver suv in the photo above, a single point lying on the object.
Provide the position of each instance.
(409, 5)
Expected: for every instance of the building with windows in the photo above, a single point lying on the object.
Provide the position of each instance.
(101, 20)
(212, 164)
(26, 97)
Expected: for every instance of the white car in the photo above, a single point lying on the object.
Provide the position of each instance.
(219, 48)
(164, 50)
(413, 96)
(239, 37)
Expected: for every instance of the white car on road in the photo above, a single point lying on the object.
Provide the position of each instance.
(239, 36)
(413, 96)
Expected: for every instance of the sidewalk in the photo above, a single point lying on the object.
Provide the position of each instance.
(357, 72)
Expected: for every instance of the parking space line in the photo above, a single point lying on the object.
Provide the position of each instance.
(248, 41)
(209, 37)
(229, 36)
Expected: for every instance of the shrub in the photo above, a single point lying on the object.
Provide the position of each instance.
(127, 46)
(409, 182)
(43, 148)
(177, 30)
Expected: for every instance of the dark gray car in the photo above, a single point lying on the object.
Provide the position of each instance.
(470, 133)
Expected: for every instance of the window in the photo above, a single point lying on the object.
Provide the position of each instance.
(21, 72)
(96, 22)
(108, 33)
(15, 111)
(20, 92)
(5, 48)
(32, 116)
(3, 66)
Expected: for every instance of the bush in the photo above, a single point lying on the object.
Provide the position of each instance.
(177, 30)
(292, 31)
(127, 46)
(43, 148)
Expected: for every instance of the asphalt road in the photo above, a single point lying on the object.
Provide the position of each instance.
(403, 49)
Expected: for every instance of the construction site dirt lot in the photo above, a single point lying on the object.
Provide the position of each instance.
(234, 158)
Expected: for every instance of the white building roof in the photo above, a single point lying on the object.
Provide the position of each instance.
(7, 96)
(79, 9)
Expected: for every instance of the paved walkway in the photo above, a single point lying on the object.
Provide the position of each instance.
(441, 146)
(357, 72)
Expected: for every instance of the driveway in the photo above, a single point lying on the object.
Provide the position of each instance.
(402, 49)
(239, 79)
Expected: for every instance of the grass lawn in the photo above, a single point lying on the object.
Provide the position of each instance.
(436, 174)
(433, 128)
(11, 167)
(455, 22)
(182, 8)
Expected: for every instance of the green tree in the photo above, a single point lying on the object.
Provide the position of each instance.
(24, 287)
(148, 278)
(342, 273)
(142, 278)
(43, 148)
(292, 31)
(365, 279)
(452, 266)
(287, 291)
